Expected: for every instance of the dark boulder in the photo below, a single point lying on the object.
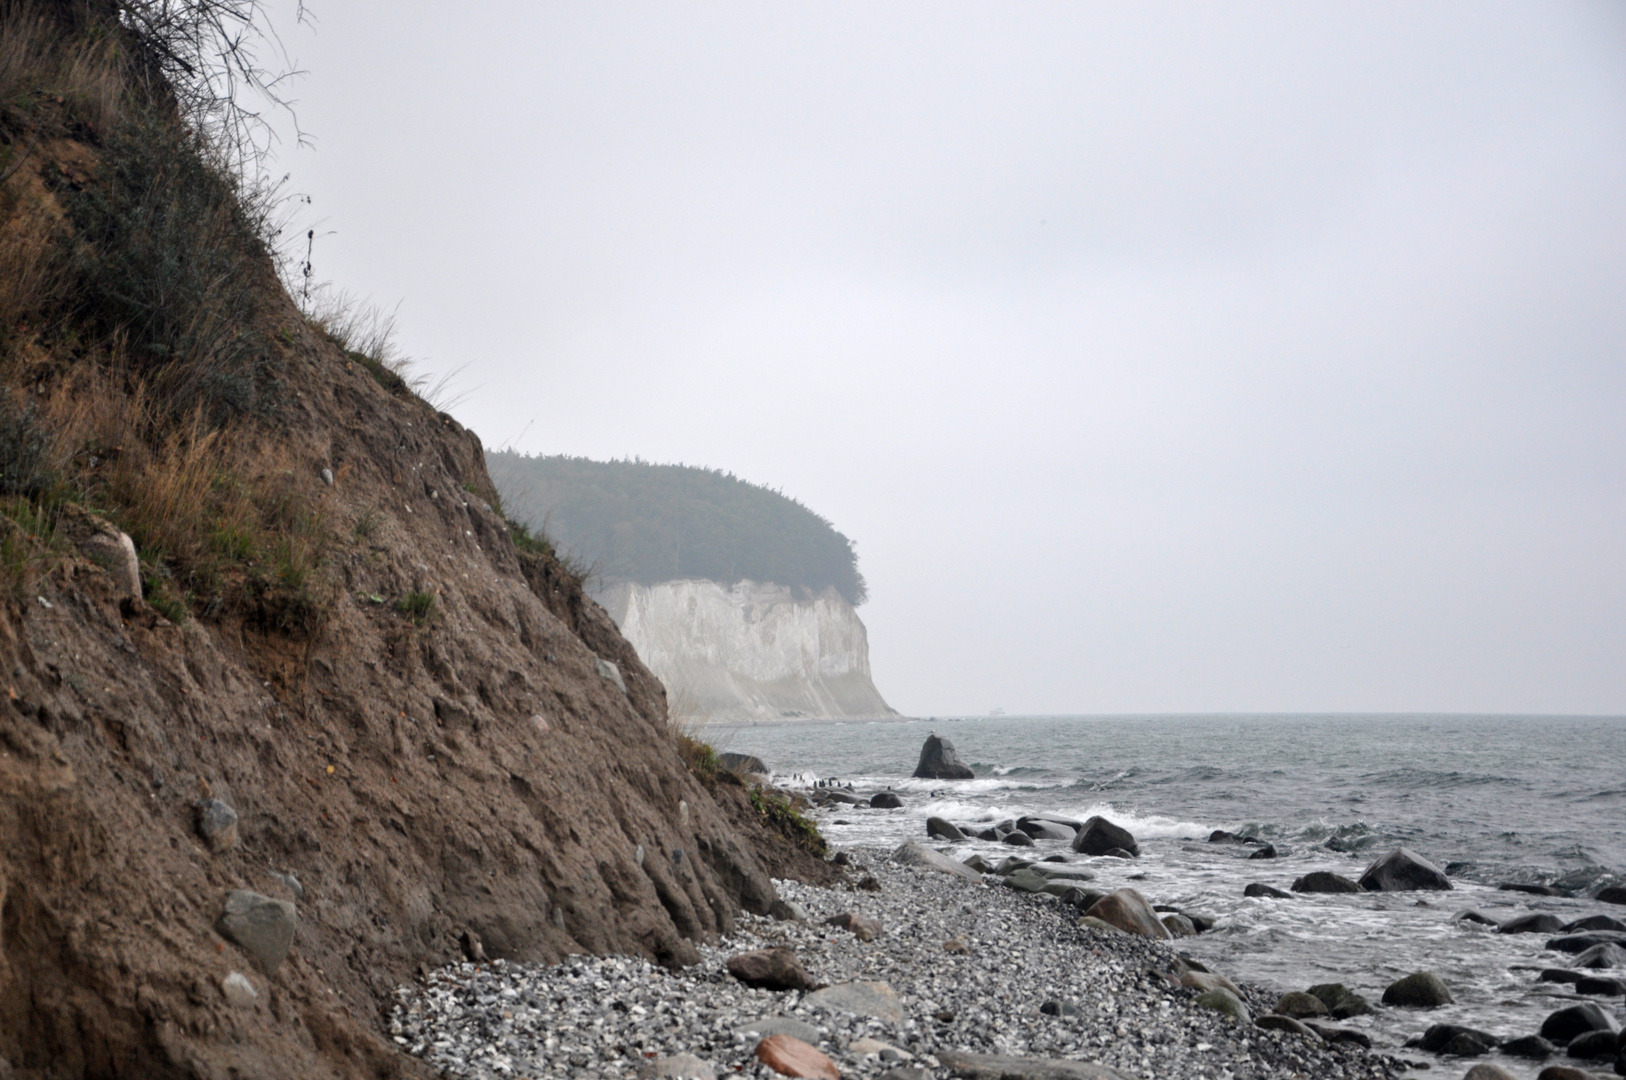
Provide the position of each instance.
(1529, 890)
(1335, 1034)
(1419, 990)
(1301, 1006)
(1592, 1045)
(1341, 1000)
(1533, 1047)
(1325, 881)
(1220, 836)
(1098, 836)
(1017, 838)
(938, 761)
(885, 800)
(1278, 1022)
(770, 969)
(1265, 891)
(1575, 1020)
(1597, 986)
(1474, 917)
(1594, 922)
(1469, 1042)
(1537, 922)
(1128, 910)
(1580, 943)
(943, 830)
(1117, 853)
(1266, 852)
(1402, 870)
(988, 834)
(1614, 894)
(1559, 975)
(1083, 899)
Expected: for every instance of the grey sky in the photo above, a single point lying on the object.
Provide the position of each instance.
(1157, 357)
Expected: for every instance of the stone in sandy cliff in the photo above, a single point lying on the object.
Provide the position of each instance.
(770, 969)
(939, 761)
(1402, 870)
(216, 823)
(262, 926)
(1098, 836)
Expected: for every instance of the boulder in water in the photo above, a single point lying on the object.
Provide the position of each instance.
(1017, 838)
(1325, 881)
(1613, 894)
(1594, 922)
(1300, 1006)
(1486, 1071)
(938, 761)
(1208, 980)
(1403, 870)
(1041, 829)
(1592, 1045)
(1580, 943)
(1179, 926)
(1528, 1046)
(1605, 954)
(1470, 1041)
(1266, 852)
(1536, 922)
(1474, 917)
(1341, 1000)
(1335, 1034)
(1529, 889)
(1419, 990)
(1265, 892)
(943, 830)
(1575, 1020)
(1098, 836)
(885, 800)
(1597, 986)
(1128, 910)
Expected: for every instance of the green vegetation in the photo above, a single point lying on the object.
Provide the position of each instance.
(417, 606)
(778, 811)
(635, 521)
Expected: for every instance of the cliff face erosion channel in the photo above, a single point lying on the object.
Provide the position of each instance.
(273, 663)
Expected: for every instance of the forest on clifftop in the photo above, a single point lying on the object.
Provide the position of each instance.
(648, 523)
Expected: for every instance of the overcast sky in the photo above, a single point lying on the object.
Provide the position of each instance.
(1156, 357)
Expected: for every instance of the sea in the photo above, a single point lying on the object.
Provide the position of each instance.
(1489, 799)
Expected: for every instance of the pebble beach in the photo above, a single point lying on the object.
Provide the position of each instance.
(961, 975)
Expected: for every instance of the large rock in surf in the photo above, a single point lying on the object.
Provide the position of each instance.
(1419, 990)
(1130, 912)
(1044, 829)
(1324, 881)
(1402, 870)
(1098, 836)
(1604, 955)
(1575, 1020)
(938, 761)
(1339, 998)
(1260, 889)
(1594, 922)
(943, 830)
(885, 800)
(1593, 1045)
(1461, 1041)
(1579, 943)
(1614, 894)
(1536, 922)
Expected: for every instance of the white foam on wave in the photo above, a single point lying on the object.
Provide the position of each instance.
(1140, 826)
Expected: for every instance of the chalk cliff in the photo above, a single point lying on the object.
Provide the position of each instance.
(749, 651)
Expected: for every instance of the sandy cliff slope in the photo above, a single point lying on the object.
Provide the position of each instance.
(414, 782)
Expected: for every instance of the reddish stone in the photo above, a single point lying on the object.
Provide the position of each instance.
(793, 1057)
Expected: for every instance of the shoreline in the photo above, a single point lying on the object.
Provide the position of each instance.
(1024, 955)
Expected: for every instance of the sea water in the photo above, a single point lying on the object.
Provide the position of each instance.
(1492, 799)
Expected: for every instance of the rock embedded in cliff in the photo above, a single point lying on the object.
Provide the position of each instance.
(216, 823)
(939, 761)
(770, 969)
(238, 991)
(263, 927)
(1098, 836)
(116, 553)
(609, 671)
(1403, 870)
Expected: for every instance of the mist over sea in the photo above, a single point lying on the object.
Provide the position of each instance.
(1491, 799)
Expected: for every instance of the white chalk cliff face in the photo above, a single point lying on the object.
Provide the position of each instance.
(750, 651)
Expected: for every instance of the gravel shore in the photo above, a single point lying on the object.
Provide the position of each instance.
(1030, 982)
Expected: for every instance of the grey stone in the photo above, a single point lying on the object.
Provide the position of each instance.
(238, 990)
(770, 969)
(1474, 917)
(1224, 1002)
(1340, 1000)
(787, 911)
(1003, 1067)
(263, 927)
(1592, 1045)
(1179, 925)
(216, 823)
(1420, 989)
(913, 854)
(1265, 892)
(938, 761)
(608, 670)
(861, 927)
(1300, 1005)
(1278, 1022)
(1613, 894)
(1593, 922)
(1041, 829)
(1017, 838)
(781, 1025)
(885, 800)
(1266, 852)
(1580, 943)
(940, 829)
(1403, 870)
(683, 1067)
(1603, 955)
(1487, 1071)
(743, 763)
(1529, 1046)
(875, 999)
(1098, 836)
(1601, 987)
(1455, 1039)
(1335, 1034)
